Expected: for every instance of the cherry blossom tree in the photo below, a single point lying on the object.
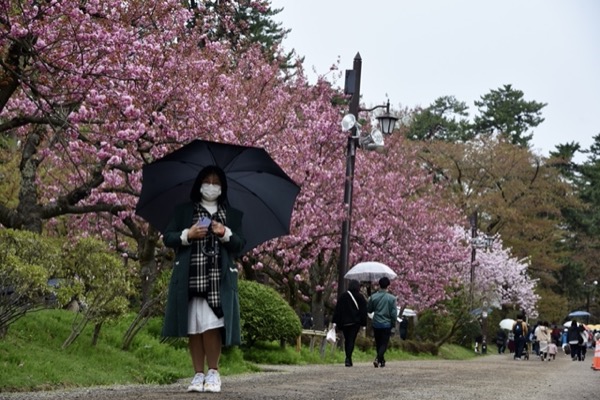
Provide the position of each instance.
(503, 279)
(94, 92)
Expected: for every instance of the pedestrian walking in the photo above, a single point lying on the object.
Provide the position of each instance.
(350, 315)
(520, 333)
(501, 341)
(585, 340)
(542, 333)
(574, 340)
(383, 306)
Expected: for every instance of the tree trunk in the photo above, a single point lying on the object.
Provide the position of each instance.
(96, 333)
(147, 245)
(139, 322)
(76, 330)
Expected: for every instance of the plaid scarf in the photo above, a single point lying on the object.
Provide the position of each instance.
(205, 271)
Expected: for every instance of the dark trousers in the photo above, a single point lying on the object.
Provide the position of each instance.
(501, 346)
(520, 345)
(382, 338)
(575, 351)
(350, 332)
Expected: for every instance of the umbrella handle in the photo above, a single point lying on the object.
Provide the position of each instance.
(214, 250)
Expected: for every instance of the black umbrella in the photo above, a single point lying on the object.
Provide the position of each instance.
(256, 185)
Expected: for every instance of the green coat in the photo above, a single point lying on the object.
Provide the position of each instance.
(176, 312)
(383, 305)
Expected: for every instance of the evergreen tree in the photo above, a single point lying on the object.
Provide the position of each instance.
(505, 112)
(241, 23)
(445, 120)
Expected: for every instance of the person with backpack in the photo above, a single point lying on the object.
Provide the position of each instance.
(520, 333)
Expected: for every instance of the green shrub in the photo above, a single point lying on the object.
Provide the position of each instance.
(265, 316)
(27, 261)
(417, 347)
(432, 327)
(364, 342)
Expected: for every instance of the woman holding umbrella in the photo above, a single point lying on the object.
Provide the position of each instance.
(350, 315)
(203, 303)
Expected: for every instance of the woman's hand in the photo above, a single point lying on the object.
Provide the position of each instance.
(197, 232)
(218, 229)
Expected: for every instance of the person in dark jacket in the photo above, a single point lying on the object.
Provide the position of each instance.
(202, 301)
(350, 315)
(520, 332)
(574, 339)
(501, 341)
(403, 328)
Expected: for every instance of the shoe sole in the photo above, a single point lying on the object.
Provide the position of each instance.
(195, 389)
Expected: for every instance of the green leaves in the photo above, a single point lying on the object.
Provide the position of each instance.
(265, 316)
(505, 111)
(27, 261)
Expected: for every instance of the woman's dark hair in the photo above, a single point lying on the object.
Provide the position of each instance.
(354, 286)
(195, 194)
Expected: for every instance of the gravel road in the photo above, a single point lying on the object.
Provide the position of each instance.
(488, 377)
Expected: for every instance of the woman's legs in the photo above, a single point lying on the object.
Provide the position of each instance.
(576, 352)
(212, 347)
(350, 333)
(205, 348)
(196, 347)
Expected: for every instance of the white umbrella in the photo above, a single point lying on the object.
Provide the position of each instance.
(370, 271)
(406, 313)
(507, 323)
(568, 324)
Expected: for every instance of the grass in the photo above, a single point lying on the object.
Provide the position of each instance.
(31, 356)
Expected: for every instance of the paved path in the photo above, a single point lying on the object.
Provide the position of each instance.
(489, 378)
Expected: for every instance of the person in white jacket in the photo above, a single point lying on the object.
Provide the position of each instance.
(585, 337)
(542, 333)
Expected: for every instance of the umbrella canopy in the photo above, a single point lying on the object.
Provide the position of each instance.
(408, 312)
(256, 185)
(568, 324)
(478, 311)
(507, 323)
(579, 314)
(370, 271)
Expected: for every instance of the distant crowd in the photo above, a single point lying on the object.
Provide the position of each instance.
(543, 340)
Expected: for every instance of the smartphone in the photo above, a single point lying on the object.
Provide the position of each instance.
(204, 222)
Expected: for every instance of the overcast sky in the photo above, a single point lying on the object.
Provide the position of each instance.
(416, 51)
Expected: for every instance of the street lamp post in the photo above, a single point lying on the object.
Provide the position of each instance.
(369, 142)
(485, 243)
(590, 287)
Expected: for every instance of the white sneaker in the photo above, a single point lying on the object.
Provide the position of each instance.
(212, 382)
(197, 384)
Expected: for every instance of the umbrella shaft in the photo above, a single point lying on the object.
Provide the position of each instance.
(213, 249)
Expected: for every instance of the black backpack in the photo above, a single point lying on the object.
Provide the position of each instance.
(518, 329)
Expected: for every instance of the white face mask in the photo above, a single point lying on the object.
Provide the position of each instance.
(210, 191)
